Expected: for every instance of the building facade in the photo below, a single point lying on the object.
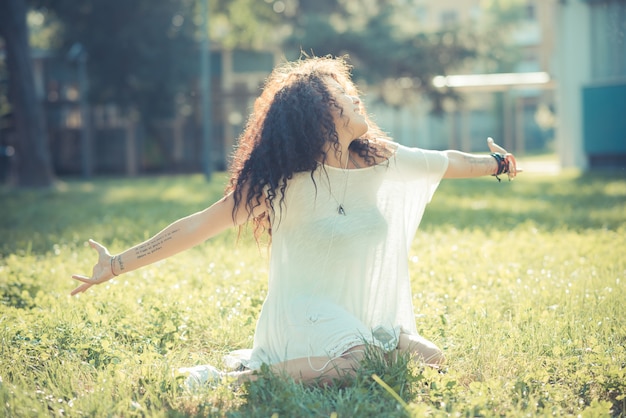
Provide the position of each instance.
(591, 73)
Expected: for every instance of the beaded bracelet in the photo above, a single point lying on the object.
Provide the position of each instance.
(112, 272)
(503, 164)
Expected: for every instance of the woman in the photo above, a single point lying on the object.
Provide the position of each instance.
(341, 204)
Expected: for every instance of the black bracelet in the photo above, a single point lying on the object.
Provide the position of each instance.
(503, 164)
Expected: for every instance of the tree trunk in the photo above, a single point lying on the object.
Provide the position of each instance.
(34, 165)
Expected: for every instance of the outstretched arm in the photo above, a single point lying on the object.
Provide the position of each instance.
(178, 236)
(464, 165)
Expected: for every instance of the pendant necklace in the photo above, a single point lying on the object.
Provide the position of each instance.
(346, 173)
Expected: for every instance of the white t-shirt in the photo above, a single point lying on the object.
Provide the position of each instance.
(336, 279)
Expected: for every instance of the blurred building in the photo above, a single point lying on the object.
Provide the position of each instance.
(577, 48)
(591, 74)
(516, 108)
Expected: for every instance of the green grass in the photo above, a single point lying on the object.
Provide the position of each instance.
(521, 283)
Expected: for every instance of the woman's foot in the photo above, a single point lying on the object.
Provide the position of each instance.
(201, 376)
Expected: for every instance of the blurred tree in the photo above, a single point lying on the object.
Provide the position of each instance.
(496, 51)
(247, 24)
(140, 53)
(34, 165)
(143, 55)
(144, 52)
(384, 44)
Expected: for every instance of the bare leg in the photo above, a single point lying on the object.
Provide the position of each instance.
(321, 370)
(324, 370)
(421, 348)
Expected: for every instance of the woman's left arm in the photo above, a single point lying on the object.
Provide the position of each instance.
(465, 165)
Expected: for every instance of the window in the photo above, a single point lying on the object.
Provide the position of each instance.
(608, 39)
(449, 18)
(530, 11)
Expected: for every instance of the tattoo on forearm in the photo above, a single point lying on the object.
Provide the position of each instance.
(120, 263)
(481, 165)
(154, 245)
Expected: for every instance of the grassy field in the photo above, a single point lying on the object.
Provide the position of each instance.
(522, 284)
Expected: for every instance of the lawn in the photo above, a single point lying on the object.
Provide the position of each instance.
(521, 283)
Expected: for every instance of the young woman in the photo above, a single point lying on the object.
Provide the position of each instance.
(341, 204)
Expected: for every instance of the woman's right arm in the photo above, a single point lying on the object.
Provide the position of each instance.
(178, 236)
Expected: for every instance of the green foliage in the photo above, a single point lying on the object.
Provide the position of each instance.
(144, 54)
(521, 284)
(496, 51)
(246, 24)
(384, 43)
(140, 54)
(44, 32)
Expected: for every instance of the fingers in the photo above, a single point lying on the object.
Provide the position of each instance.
(101, 249)
(510, 158)
(495, 147)
(80, 289)
(87, 281)
(83, 279)
(512, 166)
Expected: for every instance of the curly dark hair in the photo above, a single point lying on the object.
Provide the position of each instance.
(289, 129)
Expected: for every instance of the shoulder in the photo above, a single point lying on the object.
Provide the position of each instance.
(419, 160)
(384, 147)
(390, 153)
(402, 152)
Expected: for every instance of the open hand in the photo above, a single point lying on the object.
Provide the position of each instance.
(101, 271)
(508, 157)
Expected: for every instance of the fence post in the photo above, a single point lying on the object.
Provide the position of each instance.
(131, 148)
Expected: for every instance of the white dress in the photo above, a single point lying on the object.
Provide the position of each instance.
(341, 280)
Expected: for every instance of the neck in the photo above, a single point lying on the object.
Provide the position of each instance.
(339, 159)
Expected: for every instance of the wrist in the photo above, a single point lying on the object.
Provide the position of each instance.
(502, 164)
(112, 264)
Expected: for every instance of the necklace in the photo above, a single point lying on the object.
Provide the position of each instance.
(354, 163)
(346, 173)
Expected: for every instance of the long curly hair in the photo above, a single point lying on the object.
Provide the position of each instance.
(288, 132)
